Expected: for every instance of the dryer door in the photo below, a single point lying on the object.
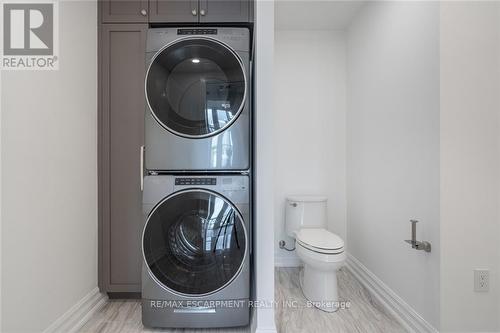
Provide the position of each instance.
(194, 242)
(196, 87)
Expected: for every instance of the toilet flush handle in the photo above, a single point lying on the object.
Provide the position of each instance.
(293, 204)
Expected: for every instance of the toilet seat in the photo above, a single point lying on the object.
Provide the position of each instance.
(320, 240)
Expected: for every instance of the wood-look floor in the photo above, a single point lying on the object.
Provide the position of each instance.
(364, 314)
(124, 316)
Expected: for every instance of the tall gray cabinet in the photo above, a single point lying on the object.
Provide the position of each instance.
(123, 27)
(122, 70)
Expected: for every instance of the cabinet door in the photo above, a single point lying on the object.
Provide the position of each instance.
(122, 68)
(224, 10)
(124, 11)
(168, 11)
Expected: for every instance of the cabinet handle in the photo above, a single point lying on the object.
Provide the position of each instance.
(193, 12)
(144, 12)
(142, 167)
(202, 12)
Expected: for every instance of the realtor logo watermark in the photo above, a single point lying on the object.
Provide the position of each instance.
(30, 36)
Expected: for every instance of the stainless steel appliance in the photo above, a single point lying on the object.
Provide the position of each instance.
(198, 88)
(196, 248)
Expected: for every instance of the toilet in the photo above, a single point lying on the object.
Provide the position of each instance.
(321, 251)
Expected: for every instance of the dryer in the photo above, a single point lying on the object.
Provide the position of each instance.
(198, 88)
(196, 251)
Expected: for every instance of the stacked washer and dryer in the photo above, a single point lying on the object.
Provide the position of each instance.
(196, 240)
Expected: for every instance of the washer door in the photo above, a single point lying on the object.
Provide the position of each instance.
(196, 87)
(194, 242)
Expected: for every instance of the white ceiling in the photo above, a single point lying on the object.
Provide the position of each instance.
(314, 14)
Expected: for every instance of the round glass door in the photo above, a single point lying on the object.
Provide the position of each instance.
(194, 242)
(196, 87)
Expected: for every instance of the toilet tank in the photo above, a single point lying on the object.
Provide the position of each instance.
(304, 212)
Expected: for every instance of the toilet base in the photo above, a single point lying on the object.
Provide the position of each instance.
(320, 288)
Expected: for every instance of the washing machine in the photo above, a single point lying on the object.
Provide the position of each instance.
(198, 93)
(196, 251)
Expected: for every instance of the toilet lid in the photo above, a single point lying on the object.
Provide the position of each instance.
(320, 239)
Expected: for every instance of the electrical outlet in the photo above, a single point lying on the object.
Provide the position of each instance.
(481, 280)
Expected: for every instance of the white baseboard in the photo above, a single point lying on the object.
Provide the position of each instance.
(403, 312)
(78, 314)
(286, 261)
(265, 330)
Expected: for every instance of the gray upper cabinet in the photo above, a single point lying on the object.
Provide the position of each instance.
(121, 135)
(124, 11)
(173, 11)
(176, 11)
(224, 11)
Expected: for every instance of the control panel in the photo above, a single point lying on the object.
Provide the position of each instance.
(195, 181)
(197, 31)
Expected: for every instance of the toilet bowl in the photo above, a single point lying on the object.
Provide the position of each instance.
(321, 261)
(321, 251)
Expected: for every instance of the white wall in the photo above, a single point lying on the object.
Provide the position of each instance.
(309, 125)
(49, 179)
(470, 164)
(393, 147)
(264, 168)
(315, 14)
